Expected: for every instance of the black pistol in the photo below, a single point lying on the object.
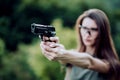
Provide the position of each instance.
(43, 30)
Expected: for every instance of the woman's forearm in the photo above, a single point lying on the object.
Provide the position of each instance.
(86, 61)
(76, 58)
(68, 72)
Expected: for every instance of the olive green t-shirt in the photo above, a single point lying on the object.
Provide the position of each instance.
(79, 73)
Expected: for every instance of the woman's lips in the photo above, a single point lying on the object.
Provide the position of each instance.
(87, 40)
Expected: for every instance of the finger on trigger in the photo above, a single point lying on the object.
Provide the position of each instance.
(54, 39)
(45, 38)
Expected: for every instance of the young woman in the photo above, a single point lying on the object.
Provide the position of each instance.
(95, 58)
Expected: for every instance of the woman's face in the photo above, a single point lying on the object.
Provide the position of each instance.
(89, 32)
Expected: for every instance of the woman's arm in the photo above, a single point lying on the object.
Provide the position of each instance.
(56, 51)
(86, 61)
(68, 72)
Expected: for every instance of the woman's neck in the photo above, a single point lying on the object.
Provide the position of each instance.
(90, 50)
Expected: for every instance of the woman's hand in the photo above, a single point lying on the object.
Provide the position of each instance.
(52, 50)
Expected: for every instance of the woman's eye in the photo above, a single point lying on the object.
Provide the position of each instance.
(85, 28)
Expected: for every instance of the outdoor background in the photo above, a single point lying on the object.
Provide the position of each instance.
(20, 54)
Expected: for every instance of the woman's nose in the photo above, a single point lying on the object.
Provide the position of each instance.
(88, 32)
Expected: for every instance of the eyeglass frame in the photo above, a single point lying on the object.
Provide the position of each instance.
(88, 30)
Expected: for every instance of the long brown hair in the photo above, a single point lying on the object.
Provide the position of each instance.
(104, 47)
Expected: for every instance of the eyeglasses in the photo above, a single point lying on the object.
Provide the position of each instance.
(91, 31)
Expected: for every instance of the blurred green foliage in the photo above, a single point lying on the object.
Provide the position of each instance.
(20, 55)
